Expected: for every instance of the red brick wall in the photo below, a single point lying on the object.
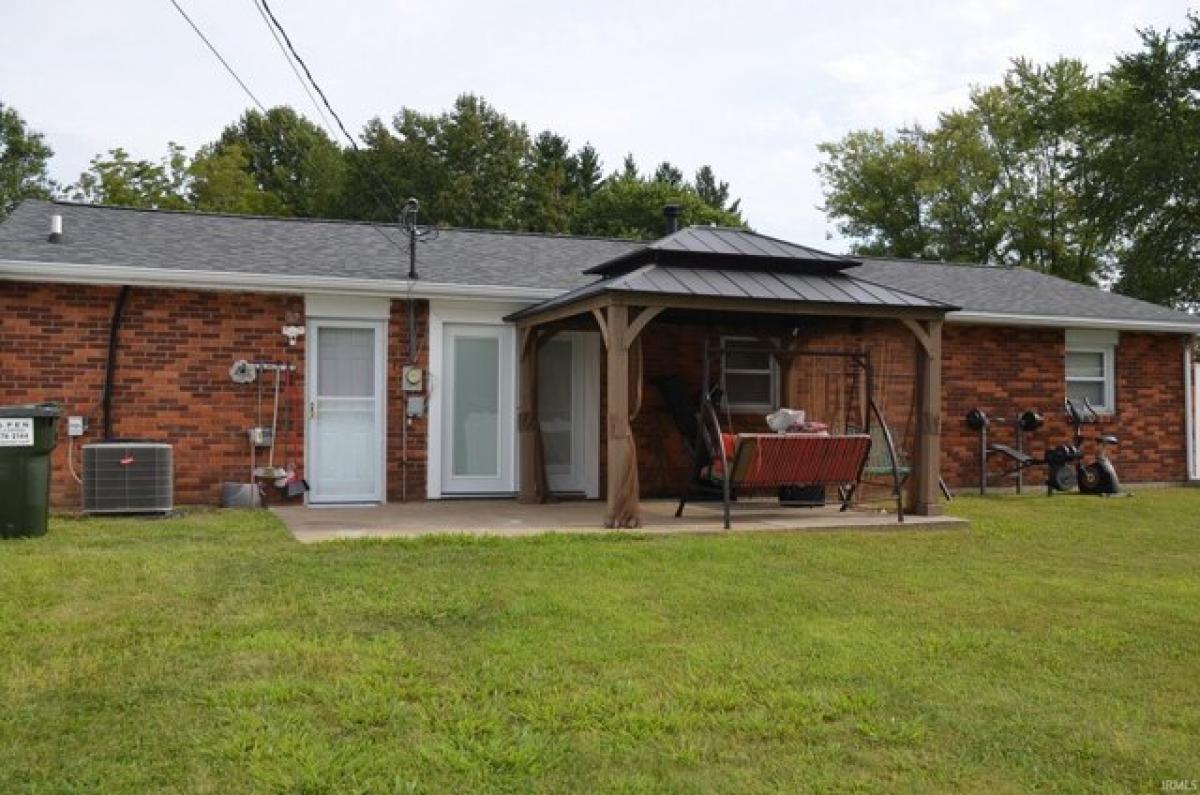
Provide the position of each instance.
(406, 475)
(173, 383)
(822, 386)
(1001, 370)
(1150, 420)
(1007, 370)
(172, 380)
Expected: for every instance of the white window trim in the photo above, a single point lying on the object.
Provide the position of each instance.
(774, 372)
(1108, 380)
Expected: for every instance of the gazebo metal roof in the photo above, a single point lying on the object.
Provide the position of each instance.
(739, 248)
(827, 290)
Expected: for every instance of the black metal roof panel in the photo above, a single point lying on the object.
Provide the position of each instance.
(726, 248)
(836, 288)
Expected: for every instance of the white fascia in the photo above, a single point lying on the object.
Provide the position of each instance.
(1066, 321)
(74, 273)
(54, 272)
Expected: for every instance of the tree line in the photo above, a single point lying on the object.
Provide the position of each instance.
(470, 166)
(1091, 177)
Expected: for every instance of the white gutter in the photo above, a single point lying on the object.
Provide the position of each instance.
(66, 273)
(1066, 321)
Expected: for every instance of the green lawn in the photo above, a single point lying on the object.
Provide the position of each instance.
(1056, 645)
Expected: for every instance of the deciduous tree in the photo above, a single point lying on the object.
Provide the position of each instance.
(116, 178)
(291, 157)
(1143, 167)
(23, 158)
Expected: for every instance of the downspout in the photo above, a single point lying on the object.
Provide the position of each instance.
(1189, 408)
(110, 365)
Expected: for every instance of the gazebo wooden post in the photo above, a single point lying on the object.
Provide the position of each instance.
(620, 331)
(622, 490)
(926, 475)
(532, 473)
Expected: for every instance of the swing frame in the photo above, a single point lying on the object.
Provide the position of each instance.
(710, 449)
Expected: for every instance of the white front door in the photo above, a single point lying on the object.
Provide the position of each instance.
(478, 409)
(346, 401)
(568, 411)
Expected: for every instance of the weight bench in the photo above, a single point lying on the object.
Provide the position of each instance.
(1021, 458)
(759, 462)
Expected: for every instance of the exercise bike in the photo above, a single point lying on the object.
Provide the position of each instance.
(1066, 469)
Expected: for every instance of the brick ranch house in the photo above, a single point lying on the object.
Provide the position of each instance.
(499, 321)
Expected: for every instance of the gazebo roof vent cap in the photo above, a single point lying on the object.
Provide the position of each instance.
(671, 216)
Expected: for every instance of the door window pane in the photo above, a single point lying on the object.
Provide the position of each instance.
(345, 362)
(556, 401)
(476, 413)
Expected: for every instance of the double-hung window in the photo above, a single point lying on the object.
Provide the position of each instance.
(749, 375)
(1090, 368)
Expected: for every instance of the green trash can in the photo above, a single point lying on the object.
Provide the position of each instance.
(27, 436)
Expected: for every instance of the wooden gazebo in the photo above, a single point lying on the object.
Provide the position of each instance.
(708, 273)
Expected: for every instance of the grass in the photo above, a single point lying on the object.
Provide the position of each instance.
(1056, 645)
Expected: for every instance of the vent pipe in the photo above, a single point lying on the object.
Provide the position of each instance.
(671, 213)
(56, 234)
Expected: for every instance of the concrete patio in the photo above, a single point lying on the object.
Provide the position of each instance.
(511, 519)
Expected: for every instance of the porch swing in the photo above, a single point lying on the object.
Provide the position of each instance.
(799, 466)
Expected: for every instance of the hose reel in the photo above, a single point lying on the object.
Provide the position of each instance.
(243, 372)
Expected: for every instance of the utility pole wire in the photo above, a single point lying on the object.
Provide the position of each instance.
(220, 58)
(292, 64)
(287, 40)
(393, 202)
(263, 108)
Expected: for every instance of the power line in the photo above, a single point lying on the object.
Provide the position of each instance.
(299, 78)
(392, 202)
(287, 40)
(263, 108)
(220, 58)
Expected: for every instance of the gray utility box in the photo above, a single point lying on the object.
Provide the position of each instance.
(128, 477)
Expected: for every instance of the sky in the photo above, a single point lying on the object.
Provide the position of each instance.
(750, 88)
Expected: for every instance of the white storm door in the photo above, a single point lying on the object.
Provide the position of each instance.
(345, 417)
(478, 410)
(568, 402)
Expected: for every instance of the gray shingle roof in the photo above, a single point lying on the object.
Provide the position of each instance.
(1017, 291)
(836, 288)
(297, 247)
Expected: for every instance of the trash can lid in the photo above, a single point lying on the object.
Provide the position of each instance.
(32, 410)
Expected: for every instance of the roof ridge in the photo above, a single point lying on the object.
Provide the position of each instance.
(792, 243)
(555, 235)
(342, 221)
(947, 263)
(212, 214)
